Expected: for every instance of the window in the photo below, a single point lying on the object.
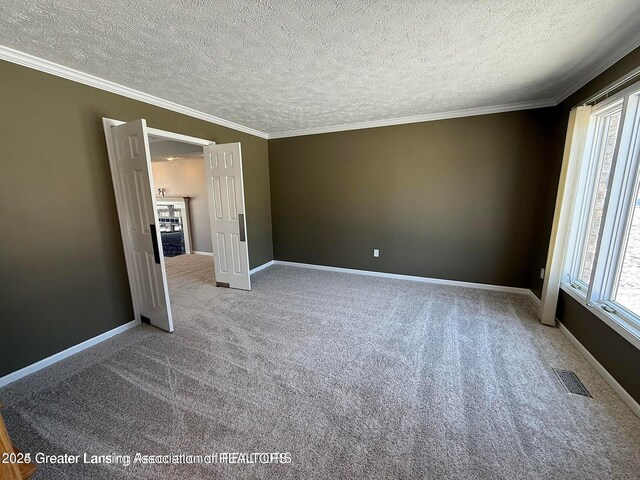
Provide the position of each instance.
(603, 252)
(627, 285)
(596, 178)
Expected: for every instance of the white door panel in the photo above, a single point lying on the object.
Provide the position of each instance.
(223, 167)
(131, 146)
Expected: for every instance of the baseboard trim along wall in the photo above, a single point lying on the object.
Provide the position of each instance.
(613, 383)
(396, 276)
(261, 267)
(534, 297)
(45, 362)
(208, 254)
(251, 272)
(622, 393)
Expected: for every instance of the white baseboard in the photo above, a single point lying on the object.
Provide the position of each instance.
(261, 267)
(533, 297)
(251, 272)
(396, 276)
(613, 383)
(34, 367)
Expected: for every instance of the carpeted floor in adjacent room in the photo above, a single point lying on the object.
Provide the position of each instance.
(357, 377)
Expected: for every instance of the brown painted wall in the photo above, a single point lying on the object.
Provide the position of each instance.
(61, 260)
(451, 199)
(616, 354)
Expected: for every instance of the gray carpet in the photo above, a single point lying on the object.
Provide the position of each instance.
(357, 377)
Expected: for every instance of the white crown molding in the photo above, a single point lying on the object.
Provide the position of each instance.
(427, 117)
(608, 62)
(31, 61)
(37, 63)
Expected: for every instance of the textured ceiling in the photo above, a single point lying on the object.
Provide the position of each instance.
(162, 150)
(279, 66)
(176, 158)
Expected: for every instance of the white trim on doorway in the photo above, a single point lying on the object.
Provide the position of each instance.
(156, 132)
(34, 367)
(120, 198)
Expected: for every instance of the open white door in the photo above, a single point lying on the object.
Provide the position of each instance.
(134, 194)
(223, 173)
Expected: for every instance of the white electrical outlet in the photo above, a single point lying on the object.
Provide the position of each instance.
(542, 274)
(376, 252)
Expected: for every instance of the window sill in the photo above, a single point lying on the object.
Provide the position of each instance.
(628, 330)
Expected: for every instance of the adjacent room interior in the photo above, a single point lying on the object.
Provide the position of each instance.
(287, 240)
(181, 197)
(178, 174)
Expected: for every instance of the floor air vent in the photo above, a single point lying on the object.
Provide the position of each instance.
(571, 382)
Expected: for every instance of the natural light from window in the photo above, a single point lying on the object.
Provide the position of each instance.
(602, 266)
(607, 142)
(628, 288)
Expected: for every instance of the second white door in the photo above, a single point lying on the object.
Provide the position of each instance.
(225, 188)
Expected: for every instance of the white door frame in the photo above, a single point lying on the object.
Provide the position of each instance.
(156, 132)
(107, 123)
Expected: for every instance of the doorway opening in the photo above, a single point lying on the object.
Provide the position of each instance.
(175, 194)
(178, 175)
